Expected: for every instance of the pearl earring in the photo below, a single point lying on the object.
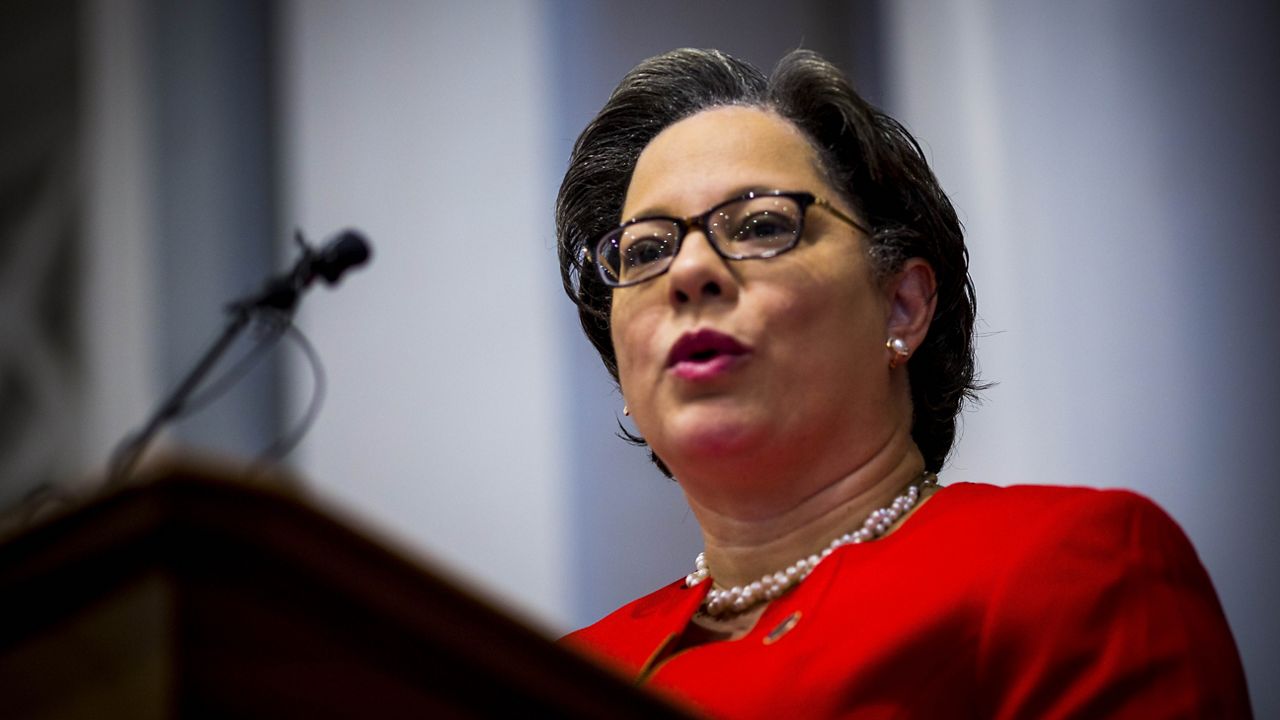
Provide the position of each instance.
(626, 410)
(900, 351)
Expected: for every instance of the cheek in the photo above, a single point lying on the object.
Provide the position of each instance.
(632, 334)
(837, 319)
(824, 284)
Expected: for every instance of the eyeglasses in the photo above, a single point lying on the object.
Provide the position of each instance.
(755, 225)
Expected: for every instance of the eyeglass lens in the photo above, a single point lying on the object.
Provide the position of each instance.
(756, 227)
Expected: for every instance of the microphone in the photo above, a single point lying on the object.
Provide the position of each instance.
(346, 250)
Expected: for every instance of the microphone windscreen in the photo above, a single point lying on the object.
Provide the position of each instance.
(347, 250)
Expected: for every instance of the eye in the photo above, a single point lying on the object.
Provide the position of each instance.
(765, 227)
(643, 252)
(645, 243)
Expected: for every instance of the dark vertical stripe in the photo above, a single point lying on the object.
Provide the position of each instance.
(215, 172)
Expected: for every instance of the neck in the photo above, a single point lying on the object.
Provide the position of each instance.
(742, 545)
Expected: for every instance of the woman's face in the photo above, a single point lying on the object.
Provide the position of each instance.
(749, 363)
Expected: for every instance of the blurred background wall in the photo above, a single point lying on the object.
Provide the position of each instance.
(1113, 163)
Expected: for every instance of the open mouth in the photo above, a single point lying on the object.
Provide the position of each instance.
(704, 347)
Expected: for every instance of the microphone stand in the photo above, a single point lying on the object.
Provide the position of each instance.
(128, 454)
(280, 294)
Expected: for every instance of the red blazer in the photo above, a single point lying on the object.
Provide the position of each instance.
(1023, 602)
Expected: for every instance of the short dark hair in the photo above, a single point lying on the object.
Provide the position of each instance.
(866, 156)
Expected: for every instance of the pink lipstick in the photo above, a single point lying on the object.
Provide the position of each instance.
(705, 354)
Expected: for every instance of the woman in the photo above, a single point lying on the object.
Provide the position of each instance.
(769, 269)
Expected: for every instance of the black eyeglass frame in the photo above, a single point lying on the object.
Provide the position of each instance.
(702, 221)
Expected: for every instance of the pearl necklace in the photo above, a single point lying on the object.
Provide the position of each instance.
(740, 598)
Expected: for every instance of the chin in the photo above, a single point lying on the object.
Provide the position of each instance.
(713, 436)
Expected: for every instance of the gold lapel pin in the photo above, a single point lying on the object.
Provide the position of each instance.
(783, 628)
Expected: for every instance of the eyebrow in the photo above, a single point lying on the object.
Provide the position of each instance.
(741, 191)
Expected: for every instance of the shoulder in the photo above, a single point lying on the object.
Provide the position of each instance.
(1058, 519)
(1054, 543)
(1039, 499)
(1097, 604)
(1027, 548)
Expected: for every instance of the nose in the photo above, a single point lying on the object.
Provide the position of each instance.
(698, 273)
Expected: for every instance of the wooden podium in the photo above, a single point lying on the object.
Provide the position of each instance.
(195, 595)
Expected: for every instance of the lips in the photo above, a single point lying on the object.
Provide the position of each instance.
(705, 354)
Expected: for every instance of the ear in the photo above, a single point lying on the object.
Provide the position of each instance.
(912, 296)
